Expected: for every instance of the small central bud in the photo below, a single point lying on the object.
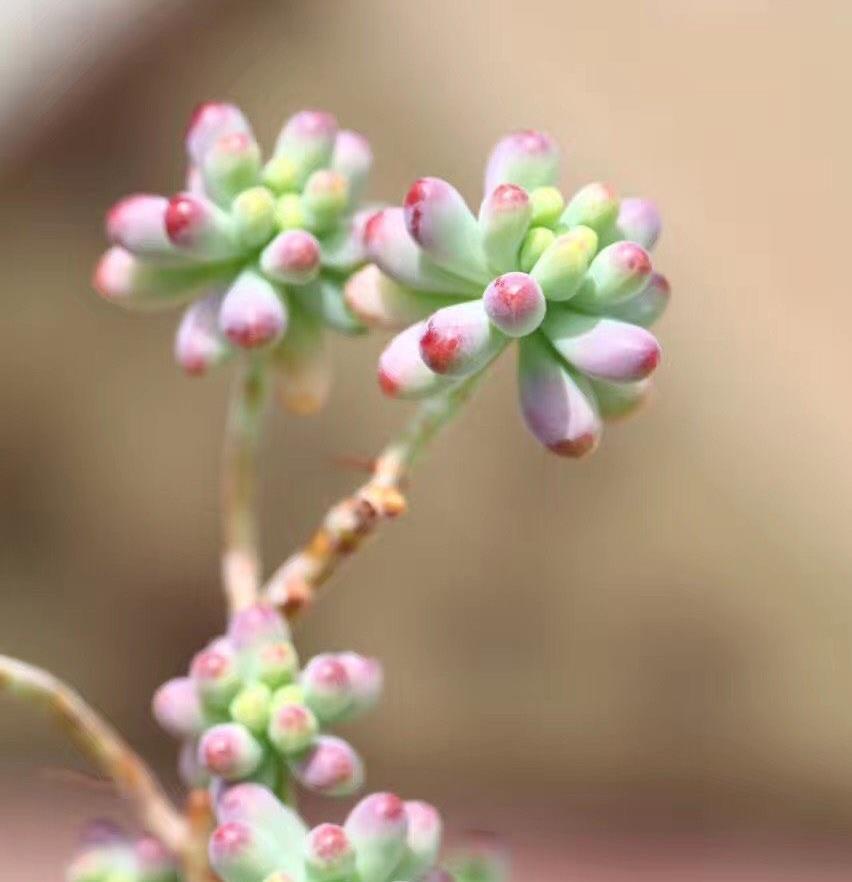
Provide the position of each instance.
(329, 842)
(293, 256)
(515, 304)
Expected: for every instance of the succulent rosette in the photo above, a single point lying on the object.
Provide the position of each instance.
(108, 854)
(384, 839)
(256, 252)
(247, 712)
(570, 280)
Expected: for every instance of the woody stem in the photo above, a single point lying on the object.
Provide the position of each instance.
(348, 522)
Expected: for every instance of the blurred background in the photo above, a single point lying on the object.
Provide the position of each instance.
(637, 666)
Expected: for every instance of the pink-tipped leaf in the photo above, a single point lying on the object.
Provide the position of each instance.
(229, 751)
(438, 220)
(198, 228)
(353, 158)
(382, 302)
(515, 304)
(646, 307)
(135, 283)
(603, 348)
(177, 708)
(504, 219)
(558, 405)
(423, 839)
(137, 223)
(330, 767)
(307, 141)
(253, 312)
(378, 827)
(210, 122)
(292, 257)
(619, 400)
(199, 343)
(618, 272)
(460, 340)
(391, 248)
(239, 852)
(638, 221)
(528, 158)
(402, 371)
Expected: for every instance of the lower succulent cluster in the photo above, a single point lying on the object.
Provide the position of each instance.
(247, 712)
(108, 854)
(259, 839)
(383, 839)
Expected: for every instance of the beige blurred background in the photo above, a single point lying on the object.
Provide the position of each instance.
(653, 643)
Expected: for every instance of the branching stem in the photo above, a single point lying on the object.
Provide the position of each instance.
(240, 550)
(292, 587)
(345, 525)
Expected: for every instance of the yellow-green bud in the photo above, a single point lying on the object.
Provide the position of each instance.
(288, 212)
(534, 245)
(547, 205)
(290, 694)
(281, 174)
(251, 707)
(254, 215)
(324, 198)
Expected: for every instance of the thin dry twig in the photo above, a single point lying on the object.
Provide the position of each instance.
(103, 745)
(344, 527)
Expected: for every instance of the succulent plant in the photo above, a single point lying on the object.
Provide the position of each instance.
(570, 280)
(265, 258)
(108, 854)
(247, 712)
(382, 840)
(257, 252)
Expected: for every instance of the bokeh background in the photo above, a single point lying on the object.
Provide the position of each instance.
(638, 666)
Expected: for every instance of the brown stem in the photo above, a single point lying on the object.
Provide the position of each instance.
(201, 819)
(240, 552)
(345, 525)
(103, 745)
